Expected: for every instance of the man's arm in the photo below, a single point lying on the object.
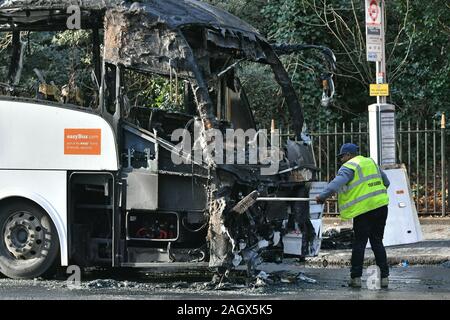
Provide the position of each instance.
(344, 176)
(386, 181)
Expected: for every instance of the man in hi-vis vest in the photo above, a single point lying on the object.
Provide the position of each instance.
(362, 196)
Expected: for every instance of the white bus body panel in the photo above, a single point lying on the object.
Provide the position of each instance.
(34, 157)
(46, 188)
(32, 136)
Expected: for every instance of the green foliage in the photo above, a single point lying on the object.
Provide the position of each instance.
(423, 88)
(417, 54)
(149, 91)
(417, 50)
(418, 59)
(263, 93)
(308, 22)
(247, 10)
(60, 56)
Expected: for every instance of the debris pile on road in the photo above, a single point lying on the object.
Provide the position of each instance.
(301, 276)
(337, 238)
(109, 283)
(263, 278)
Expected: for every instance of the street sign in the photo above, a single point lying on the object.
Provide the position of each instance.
(380, 77)
(373, 12)
(381, 115)
(379, 90)
(374, 34)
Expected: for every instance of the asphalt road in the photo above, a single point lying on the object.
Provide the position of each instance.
(416, 282)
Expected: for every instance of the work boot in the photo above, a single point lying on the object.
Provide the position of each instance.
(385, 282)
(355, 282)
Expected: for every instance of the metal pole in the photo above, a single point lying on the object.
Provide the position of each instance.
(360, 136)
(328, 161)
(335, 148)
(426, 166)
(400, 145)
(417, 166)
(434, 167)
(320, 153)
(409, 146)
(335, 158)
(328, 153)
(381, 65)
(343, 133)
(285, 199)
(443, 164)
(351, 136)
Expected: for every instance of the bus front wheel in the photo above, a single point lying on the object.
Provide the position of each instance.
(29, 242)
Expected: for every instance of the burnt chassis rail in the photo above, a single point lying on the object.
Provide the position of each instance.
(198, 42)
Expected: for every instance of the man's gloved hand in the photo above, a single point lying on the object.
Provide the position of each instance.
(319, 200)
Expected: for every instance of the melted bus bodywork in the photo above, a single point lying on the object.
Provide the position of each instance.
(127, 203)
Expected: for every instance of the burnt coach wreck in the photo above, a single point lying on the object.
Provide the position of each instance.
(151, 211)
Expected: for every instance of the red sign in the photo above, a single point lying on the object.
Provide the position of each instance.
(82, 141)
(373, 10)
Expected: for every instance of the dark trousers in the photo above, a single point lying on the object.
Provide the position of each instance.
(369, 226)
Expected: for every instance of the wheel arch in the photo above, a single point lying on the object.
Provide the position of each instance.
(34, 198)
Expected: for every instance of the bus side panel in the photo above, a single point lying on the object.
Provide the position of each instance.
(46, 188)
(42, 137)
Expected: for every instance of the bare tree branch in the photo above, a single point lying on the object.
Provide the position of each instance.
(362, 73)
(396, 72)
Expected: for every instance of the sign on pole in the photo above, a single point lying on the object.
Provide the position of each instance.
(379, 90)
(374, 35)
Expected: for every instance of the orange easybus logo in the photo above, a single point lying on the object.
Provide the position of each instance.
(83, 141)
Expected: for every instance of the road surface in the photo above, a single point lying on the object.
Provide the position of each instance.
(414, 282)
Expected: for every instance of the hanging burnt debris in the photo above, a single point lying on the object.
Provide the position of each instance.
(212, 206)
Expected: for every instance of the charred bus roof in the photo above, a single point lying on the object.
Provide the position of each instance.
(23, 14)
(193, 38)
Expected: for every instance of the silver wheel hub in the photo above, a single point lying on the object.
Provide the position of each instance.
(24, 236)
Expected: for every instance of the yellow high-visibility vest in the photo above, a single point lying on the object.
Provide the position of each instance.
(365, 192)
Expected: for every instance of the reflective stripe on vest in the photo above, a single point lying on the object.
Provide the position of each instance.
(365, 192)
(364, 178)
(372, 194)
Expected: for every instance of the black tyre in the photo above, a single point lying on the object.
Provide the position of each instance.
(29, 243)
